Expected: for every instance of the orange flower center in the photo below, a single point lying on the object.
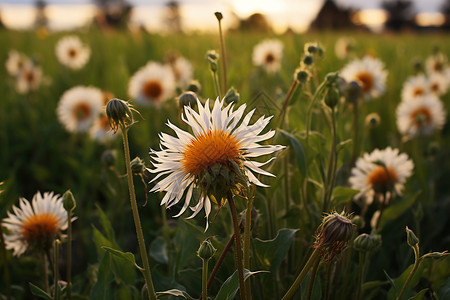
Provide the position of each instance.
(104, 123)
(382, 177)
(39, 227)
(208, 149)
(437, 66)
(152, 89)
(270, 58)
(72, 53)
(81, 111)
(422, 115)
(366, 80)
(418, 91)
(434, 87)
(29, 76)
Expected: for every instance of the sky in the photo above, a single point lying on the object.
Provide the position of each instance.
(196, 14)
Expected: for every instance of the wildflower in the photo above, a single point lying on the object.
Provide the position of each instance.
(438, 83)
(372, 120)
(152, 84)
(72, 53)
(369, 73)
(382, 172)
(79, 107)
(415, 87)
(344, 47)
(268, 54)
(436, 63)
(100, 130)
(15, 62)
(182, 69)
(215, 159)
(119, 114)
(35, 225)
(29, 78)
(421, 116)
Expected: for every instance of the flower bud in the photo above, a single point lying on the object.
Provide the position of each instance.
(372, 120)
(363, 243)
(206, 250)
(218, 15)
(119, 114)
(194, 86)
(332, 97)
(377, 241)
(232, 96)
(187, 99)
(311, 48)
(358, 221)
(69, 203)
(353, 91)
(301, 75)
(137, 166)
(411, 238)
(108, 158)
(435, 255)
(308, 60)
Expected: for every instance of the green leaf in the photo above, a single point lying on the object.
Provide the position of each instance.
(174, 293)
(343, 144)
(128, 256)
(158, 250)
(39, 292)
(400, 281)
(443, 291)
(105, 224)
(373, 284)
(342, 195)
(299, 151)
(230, 287)
(102, 289)
(419, 295)
(101, 241)
(395, 210)
(271, 253)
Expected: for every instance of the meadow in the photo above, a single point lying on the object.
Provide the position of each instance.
(324, 128)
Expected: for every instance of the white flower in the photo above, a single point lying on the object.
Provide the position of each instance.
(35, 224)
(152, 84)
(382, 172)
(72, 53)
(101, 130)
(344, 47)
(268, 54)
(415, 87)
(79, 107)
(15, 62)
(182, 70)
(29, 78)
(423, 115)
(369, 73)
(436, 63)
(220, 142)
(438, 83)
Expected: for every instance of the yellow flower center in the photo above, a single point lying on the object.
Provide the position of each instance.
(382, 177)
(208, 149)
(422, 115)
(152, 89)
(366, 80)
(81, 111)
(39, 227)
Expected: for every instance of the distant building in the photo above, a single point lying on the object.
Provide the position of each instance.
(333, 17)
(256, 22)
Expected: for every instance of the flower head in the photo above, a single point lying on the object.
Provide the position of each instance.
(35, 225)
(29, 78)
(268, 54)
(421, 116)
(344, 47)
(15, 62)
(215, 159)
(438, 83)
(181, 68)
(79, 107)
(152, 84)
(381, 172)
(415, 87)
(369, 73)
(436, 63)
(72, 53)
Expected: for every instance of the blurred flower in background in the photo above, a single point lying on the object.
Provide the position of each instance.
(72, 53)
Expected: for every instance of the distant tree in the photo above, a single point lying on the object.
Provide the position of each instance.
(332, 17)
(172, 18)
(445, 9)
(40, 20)
(113, 13)
(256, 22)
(400, 14)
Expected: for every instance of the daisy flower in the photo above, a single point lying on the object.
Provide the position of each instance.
(79, 107)
(101, 130)
(382, 172)
(215, 159)
(438, 83)
(72, 53)
(369, 73)
(35, 225)
(29, 78)
(421, 116)
(152, 84)
(435, 63)
(344, 47)
(268, 54)
(15, 62)
(415, 87)
(181, 68)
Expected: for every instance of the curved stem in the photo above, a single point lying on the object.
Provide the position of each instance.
(294, 287)
(237, 239)
(137, 221)
(247, 237)
(417, 262)
(220, 260)
(332, 163)
(311, 279)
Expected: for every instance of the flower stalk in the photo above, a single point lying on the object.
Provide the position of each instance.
(219, 17)
(69, 205)
(247, 238)
(55, 272)
(5, 265)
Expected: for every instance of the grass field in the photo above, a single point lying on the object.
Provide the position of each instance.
(38, 154)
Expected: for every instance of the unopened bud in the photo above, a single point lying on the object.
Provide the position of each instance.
(372, 120)
(206, 250)
(108, 158)
(187, 99)
(218, 15)
(119, 114)
(308, 60)
(194, 86)
(363, 243)
(411, 238)
(353, 91)
(232, 96)
(301, 75)
(69, 203)
(212, 56)
(311, 48)
(137, 166)
(332, 97)
(335, 227)
(358, 221)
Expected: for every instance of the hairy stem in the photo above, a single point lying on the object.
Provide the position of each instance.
(417, 261)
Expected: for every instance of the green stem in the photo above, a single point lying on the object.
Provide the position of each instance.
(5, 264)
(216, 84)
(311, 279)
(283, 110)
(224, 60)
(205, 279)
(361, 271)
(310, 108)
(44, 271)
(55, 272)
(417, 261)
(332, 163)
(69, 254)
(237, 240)
(137, 221)
(247, 237)
(294, 287)
(220, 260)
(355, 152)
